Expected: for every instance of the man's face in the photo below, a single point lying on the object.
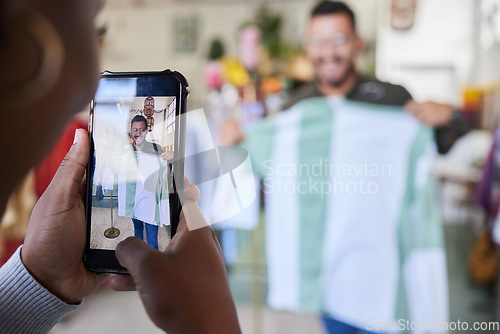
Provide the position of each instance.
(138, 131)
(332, 46)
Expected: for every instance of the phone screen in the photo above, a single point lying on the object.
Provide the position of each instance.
(135, 166)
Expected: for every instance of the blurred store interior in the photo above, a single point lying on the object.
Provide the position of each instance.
(235, 53)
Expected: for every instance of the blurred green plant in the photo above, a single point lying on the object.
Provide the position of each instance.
(216, 50)
(270, 25)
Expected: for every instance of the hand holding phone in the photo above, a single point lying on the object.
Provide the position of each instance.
(183, 280)
(179, 286)
(55, 239)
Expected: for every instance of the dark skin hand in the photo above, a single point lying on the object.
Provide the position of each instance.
(55, 239)
(184, 289)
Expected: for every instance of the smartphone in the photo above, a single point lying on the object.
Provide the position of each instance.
(135, 172)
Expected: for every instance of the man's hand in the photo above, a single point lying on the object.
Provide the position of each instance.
(167, 155)
(55, 239)
(230, 133)
(430, 113)
(184, 289)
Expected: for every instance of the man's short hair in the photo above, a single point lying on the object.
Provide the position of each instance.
(138, 118)
(334, 7)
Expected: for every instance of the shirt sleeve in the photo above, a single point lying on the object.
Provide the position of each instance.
(25, 305)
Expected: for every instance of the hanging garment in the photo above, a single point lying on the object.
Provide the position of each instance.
(353, 227)
(142, 187)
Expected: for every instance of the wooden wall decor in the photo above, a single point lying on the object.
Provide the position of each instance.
(402, 14)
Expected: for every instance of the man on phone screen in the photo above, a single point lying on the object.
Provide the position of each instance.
(142, 188)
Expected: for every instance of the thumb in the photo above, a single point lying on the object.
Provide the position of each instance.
(72, 169)
(132, 253)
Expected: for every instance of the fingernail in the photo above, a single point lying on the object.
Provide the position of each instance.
(77, 136)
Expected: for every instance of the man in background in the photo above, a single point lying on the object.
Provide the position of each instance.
(146, 207)
(351, 212)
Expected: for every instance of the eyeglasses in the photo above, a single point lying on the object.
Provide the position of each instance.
(339, 39)
(135, 130)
